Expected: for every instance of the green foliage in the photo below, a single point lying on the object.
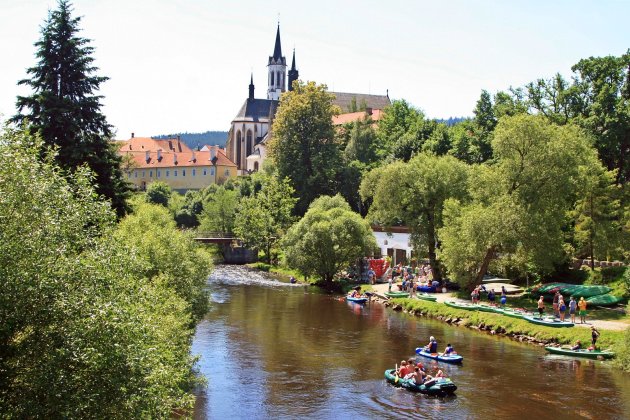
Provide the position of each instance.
(82, 335)
(413, 194)
(328, 238)
(303, 145)
(158, 193)
(63, 108)
(219, 211)
(263, 218)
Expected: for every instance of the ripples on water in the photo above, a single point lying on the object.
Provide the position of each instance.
(276, 350)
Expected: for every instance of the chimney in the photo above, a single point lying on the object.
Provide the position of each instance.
(159, 153)
(368, 111)
(133, 135)
(147, 156)
(170, 145)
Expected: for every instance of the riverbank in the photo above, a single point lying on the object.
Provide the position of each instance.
(516, 329)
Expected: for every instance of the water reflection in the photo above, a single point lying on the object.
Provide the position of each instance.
(275, 350)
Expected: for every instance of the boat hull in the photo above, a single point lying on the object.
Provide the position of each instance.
(356, 300)
(581, 353)
(464, 306)
(397, 294)
(442, 387)
(453, 358)
(548, 322)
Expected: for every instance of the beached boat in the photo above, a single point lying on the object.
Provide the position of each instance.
(397, 294)
(426, 296)
(439, 386)
(461, 305)
(547, 321)
(488, 308)
(451, 358)
(514, 313)
(604, 300)
(356, 299)
(590, 354)
(426, 289)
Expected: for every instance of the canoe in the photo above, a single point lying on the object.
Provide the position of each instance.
(356, 299)
(441, 387)
(458, 305)
(451, 358)
(513, 313)
(488, 308)
(396, 294)
(604, 300)
(425, 296)
(549, 321)
(593, 354)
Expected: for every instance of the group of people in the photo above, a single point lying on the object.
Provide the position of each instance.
(560, 307)
(432, 347)
(417, 373)
(594, 336)
(475, 295)
(412, 277)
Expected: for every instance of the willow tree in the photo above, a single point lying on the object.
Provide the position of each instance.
(520, 204)
(413, 194)
(64, 108)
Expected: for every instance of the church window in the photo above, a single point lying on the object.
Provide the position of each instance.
(278, 79)
(272, 79)
(249, 143)
(238, 149)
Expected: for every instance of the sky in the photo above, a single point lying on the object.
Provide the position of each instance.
(185, 65)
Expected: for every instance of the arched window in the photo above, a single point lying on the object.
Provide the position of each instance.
(249, 145)
(238, 149)
(255, 166)
(271, 79)
(278, 79)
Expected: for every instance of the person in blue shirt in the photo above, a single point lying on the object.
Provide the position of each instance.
(432, 347)
(448, 350)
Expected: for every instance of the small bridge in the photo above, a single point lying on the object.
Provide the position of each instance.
(215, 238)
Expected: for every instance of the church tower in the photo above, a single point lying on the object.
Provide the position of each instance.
(293, 73)
(277, 71)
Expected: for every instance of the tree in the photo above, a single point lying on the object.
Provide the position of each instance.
(413, 194)
(219, 212)
(158, 193)
(64, 110)
(82, 333)
(263, 218)
(303, 144)
(519, 205)
(327, 239)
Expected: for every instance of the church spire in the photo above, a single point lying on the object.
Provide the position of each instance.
(251, 88)
(293, 73)
(277, 49)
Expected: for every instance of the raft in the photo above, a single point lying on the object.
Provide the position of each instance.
(356, 299)
(441, 387)
(396, 294)
(594, 354)
(604, 300)
(426, 296)
(548, 321)
(458, 305)
(451, 358)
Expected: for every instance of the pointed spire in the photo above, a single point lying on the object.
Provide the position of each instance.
(251, 87)
(293, 62)
(277, 50)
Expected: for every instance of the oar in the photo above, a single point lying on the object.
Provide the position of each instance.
(397, 377)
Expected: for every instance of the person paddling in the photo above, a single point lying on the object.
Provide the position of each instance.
(448, 350)
(432, 347)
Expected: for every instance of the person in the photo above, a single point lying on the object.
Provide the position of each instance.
(404, 285)
(390, 281)
(541, 306)
(555, 303)
(412, 286)
(372, 276)
(582, 306)
(562, 307)
(440, 374)
(503, 300)
(403, 370)
(577, 346)
(503, 291)
(432, 347)
(491, 296)
(293, 280)
(448, 350)
(572, 308)
(474, 295)
(421, 376)
(594, 336)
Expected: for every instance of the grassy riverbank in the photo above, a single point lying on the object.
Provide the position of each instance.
(618, 341)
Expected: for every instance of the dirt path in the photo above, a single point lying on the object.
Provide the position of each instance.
(380, 290)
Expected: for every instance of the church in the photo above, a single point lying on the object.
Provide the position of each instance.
(250, 128)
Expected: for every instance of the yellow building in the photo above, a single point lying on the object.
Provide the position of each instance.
(171, 161)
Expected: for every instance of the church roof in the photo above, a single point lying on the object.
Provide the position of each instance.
(277, 49)
(257, 110)
(344, 100)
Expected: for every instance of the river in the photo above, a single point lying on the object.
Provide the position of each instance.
(273, 350)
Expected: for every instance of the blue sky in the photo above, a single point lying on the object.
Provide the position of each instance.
(184, 65)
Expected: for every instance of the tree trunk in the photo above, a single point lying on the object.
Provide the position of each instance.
(484, 265)
(435, 267)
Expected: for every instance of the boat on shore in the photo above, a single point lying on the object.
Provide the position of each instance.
(393, 295)
(548, 321)
(439, 387)
(426, 296)
(488, 308)
(590, 354)
(450, 358)
(356, 299)
(514, 313)
(461, 305)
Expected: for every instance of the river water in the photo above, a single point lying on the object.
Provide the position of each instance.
(273, 350)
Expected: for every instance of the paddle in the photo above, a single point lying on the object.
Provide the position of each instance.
(397, 377)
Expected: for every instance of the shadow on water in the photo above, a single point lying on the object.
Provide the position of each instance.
(274, 350)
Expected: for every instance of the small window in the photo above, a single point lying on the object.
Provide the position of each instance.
(128, 175)
(212, 171)
(144, 173)
(205, 172)
(175, 172)
(227, 172)
(150, 174)
(183, 172)
(194, 171)
(168, 173)
(135, 174)
(158, 173)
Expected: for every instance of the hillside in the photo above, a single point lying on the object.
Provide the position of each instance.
(199, 139)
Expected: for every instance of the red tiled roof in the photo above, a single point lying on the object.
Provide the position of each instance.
(142, 144)
(174, 160)
(356, 116)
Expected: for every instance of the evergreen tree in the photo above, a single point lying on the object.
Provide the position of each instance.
(63, 108)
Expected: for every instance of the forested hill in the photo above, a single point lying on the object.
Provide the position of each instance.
(452, 120)
(199, 139)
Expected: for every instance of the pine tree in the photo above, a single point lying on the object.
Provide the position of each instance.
(64, 109)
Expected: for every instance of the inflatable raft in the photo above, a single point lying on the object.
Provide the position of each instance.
(439, 386)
